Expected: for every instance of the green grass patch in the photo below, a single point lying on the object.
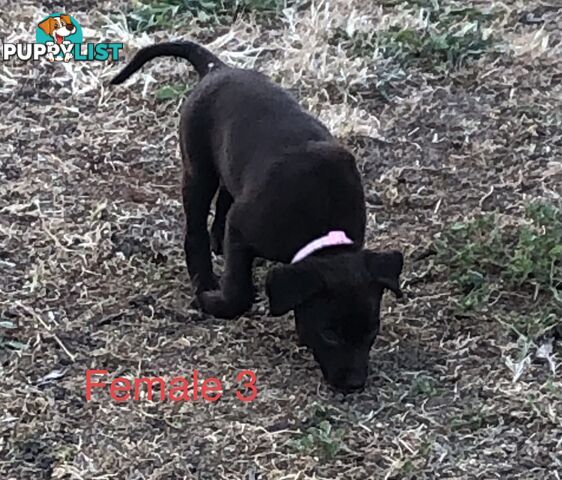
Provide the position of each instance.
(436, 49)
(452, 38)
(319, 436)
(323, 440)
(472, 421)
(532, 325)
(425, 386)
(150, 15)
(486, 258)
(171, 92)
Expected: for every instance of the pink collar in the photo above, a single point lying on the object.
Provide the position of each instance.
(333, 238)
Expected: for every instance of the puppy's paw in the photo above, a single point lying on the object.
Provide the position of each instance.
(214, 303)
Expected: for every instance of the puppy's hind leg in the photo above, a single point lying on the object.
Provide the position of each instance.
(198, 193)
(200, 183)
(222, 205)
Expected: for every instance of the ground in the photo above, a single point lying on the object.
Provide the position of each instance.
(453, 110)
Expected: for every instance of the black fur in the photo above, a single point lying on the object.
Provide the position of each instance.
(284, 181)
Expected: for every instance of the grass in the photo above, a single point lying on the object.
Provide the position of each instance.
(11, 344)
(451, 38)
(484, 256)
(323, 440)
(532, 325)
(470, 421)
(6, 327)
(424, 385)
(319, 436)
(171, 92)
(150, 15)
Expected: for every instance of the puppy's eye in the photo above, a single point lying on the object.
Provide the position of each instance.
(330, 337)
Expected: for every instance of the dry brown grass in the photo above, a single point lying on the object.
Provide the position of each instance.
(92, 271)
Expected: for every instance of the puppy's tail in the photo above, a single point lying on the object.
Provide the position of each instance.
(201, 58)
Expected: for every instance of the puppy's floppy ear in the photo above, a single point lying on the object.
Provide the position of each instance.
(385, 268)
(66, 19)
(47, 25)
(288, 286)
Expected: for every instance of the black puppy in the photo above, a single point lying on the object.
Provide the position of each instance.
(288, 192)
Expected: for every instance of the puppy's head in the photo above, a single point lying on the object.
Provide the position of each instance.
(58, 27)
(336, 301)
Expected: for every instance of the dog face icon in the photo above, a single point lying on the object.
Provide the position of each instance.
(58, 27)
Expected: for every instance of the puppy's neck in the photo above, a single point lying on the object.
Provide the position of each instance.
(333, 250)
(331, 239)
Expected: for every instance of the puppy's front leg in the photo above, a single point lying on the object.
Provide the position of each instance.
(237, 289)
